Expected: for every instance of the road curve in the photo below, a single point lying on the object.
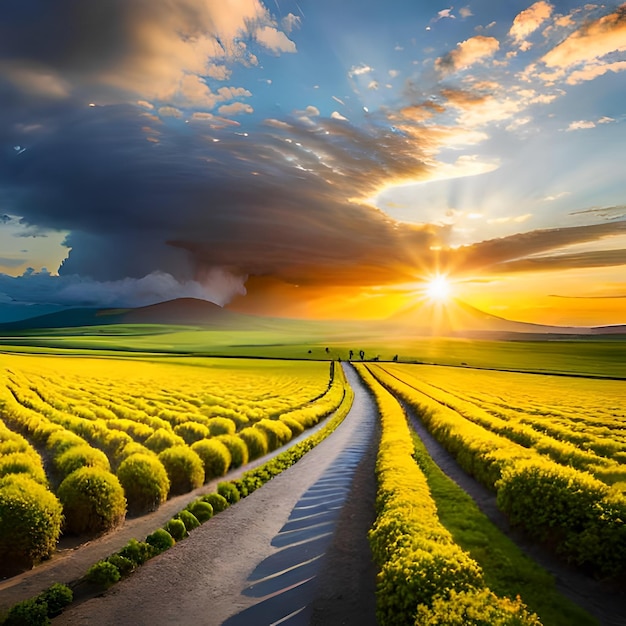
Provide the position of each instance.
(261, 561)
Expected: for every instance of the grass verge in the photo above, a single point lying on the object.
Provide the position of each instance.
(507, 570)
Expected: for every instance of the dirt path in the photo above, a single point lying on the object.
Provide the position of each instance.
(294, 552)
(607, 605)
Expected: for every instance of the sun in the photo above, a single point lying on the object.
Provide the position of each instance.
(438, 289)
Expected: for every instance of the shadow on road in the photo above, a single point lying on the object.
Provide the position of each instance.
(285, 582)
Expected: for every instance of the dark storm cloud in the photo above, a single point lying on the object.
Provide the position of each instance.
(278, 201)
(511, 254)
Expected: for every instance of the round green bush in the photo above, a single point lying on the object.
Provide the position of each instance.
(93, 501)
(160, 540)
(138, 552)
(215, 457)
(81, 456)
(103, 574)
(184, 469)
(218, 502)
(202, 510)
(30, 612)
(255, 440)
(124, 565)
(30, 523)
(191, 432)
(28, 463)
(229, 491)
(189, 520)
(145, 483)
(176, 528)
(278, 434)
(57, 597)
(237, 448)
(221, 426)
(162, 439)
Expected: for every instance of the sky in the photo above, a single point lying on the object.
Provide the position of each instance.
(314, 159)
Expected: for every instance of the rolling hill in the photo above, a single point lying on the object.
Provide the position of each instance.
(455, 319)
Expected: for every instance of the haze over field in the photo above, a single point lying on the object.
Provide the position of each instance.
(322, 160)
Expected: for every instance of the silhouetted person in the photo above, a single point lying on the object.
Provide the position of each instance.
(362, 354)
(395, 358)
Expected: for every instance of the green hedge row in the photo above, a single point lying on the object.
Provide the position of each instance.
(423, 571)
(38, 611)
(578, 514)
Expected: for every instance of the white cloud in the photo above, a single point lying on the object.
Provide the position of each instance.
(581, 125)
(557, 196)
(518, 123)
(274, 39)
(291, 22)
(359, 70)
(337, 116)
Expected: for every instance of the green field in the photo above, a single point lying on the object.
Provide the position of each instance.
(295, 340)
(119, 400)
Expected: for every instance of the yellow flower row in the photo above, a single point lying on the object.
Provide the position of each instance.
(420, 564)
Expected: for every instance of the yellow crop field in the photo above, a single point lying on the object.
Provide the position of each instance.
(416, 555)
(85, 440)
(575, 421)
(560, 491)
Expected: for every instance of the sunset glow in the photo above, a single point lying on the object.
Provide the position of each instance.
(438, 288)
(284, 160)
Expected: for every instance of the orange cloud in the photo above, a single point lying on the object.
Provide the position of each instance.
(593, 71)
(591, 42)
(468, 53)
(136, 50)
(235, 108)
(528, 21)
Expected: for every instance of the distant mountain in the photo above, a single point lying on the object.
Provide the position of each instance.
(457, 318)
(184, 311)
